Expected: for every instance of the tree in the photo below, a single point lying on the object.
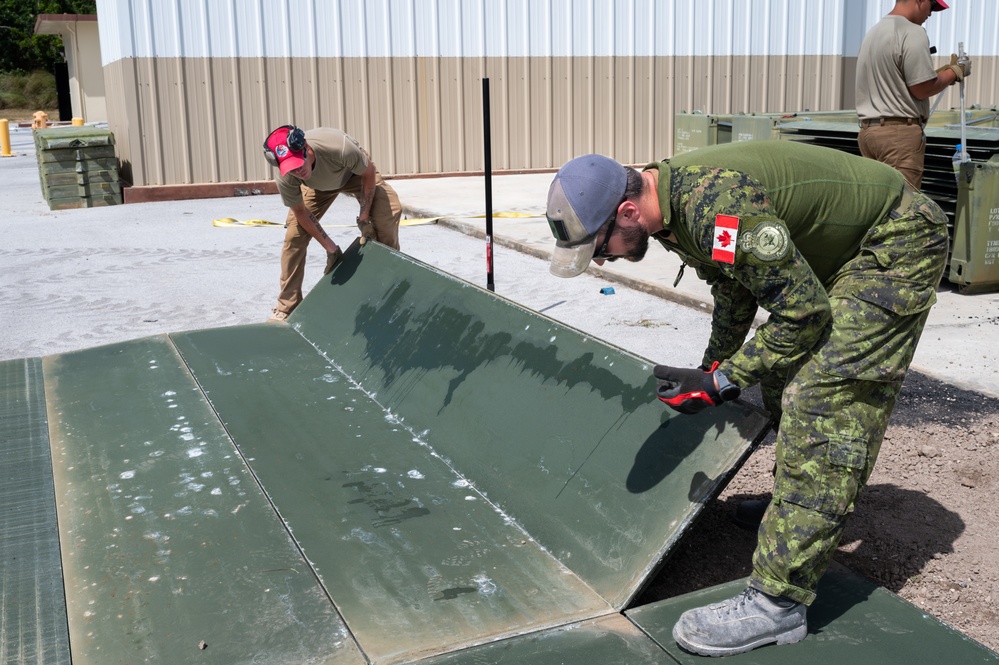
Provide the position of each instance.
(21, 50)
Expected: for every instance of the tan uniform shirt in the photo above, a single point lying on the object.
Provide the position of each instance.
(338, 158)
(895, 54)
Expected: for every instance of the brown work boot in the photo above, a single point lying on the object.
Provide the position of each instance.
(278, 317)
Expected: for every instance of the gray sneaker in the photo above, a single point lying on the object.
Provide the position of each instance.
(751, 619)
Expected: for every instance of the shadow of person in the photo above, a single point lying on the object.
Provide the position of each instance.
(345, 268)
(894, 532)
(682, 437)
(890, 537)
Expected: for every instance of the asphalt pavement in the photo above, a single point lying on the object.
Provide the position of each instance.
(85, 277)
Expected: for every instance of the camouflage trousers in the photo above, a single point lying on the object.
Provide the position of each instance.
(836, 402)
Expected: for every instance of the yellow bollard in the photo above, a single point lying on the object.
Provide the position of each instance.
(78, 122)
(40, 120)
(5, 139)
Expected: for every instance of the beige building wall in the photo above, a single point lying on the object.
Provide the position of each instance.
(82, 46)
(194, 86)
(201, 120)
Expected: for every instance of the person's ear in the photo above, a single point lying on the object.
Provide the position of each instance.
(628, 210)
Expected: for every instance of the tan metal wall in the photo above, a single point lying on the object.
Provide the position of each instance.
(202, 120)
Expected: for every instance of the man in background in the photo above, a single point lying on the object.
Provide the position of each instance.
(895, 80)
(317, 166)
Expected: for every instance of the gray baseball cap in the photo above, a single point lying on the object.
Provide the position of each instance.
(584, 194)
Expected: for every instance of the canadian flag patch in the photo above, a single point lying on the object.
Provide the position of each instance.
(726, 233)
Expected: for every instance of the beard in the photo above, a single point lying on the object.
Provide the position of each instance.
(636, 239)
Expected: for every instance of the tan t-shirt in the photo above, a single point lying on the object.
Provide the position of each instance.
(338, 157)
(895, 54)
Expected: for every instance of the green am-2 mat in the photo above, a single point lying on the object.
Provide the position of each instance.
(411, 470)
(32, 605)
(171, 552)
(608, 640)
(415, 558)
(558, 429)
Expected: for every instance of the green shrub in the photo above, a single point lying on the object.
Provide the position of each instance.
(40, 90)
(36, 90)
(12, 100)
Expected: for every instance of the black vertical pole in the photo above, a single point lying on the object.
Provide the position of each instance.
(490, 284)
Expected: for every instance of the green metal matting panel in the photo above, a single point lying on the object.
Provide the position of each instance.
(555, 427)
(609, 640)
(851, 621)
(411, 470)
(168, 543)
(415, 557)
(32, 605)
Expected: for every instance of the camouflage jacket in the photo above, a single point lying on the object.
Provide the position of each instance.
(768, 224)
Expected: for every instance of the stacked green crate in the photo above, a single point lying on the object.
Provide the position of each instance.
(77, 167)
(697, 130)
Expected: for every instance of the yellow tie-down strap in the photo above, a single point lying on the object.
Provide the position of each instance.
(416, 221)
(229, 221)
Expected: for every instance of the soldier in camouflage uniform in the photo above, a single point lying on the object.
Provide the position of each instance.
(846, 258)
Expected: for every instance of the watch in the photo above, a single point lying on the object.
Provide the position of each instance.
(726, 389)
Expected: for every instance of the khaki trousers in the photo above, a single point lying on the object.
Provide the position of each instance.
(900, 146)
(383, 226)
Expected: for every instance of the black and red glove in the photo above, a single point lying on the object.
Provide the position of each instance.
(691, 390)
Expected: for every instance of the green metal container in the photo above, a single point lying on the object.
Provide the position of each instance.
(755, 127)
(767, 126)
(698, 130)
(974, 262)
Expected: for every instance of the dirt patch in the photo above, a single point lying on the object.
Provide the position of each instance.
(925, 527)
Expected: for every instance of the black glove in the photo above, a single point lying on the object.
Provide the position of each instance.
(691, 390)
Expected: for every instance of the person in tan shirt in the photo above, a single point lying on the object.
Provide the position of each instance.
(315, 167)
(895, 79)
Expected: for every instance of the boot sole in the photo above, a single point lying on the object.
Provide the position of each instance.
(789, 637)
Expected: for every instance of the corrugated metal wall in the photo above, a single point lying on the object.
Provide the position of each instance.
(195, 85)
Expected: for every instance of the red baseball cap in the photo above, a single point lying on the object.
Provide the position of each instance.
(280, 152)
(939, 5)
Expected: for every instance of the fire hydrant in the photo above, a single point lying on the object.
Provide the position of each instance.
(41, 120)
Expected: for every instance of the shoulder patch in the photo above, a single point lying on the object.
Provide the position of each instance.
(725, 237)
(767, 241)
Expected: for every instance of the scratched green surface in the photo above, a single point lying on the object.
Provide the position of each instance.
(559, 429)
(167, 540)
(609, 640)
(33, 625)
(415, 558)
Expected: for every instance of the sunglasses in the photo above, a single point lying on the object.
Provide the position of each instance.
(601, 254)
